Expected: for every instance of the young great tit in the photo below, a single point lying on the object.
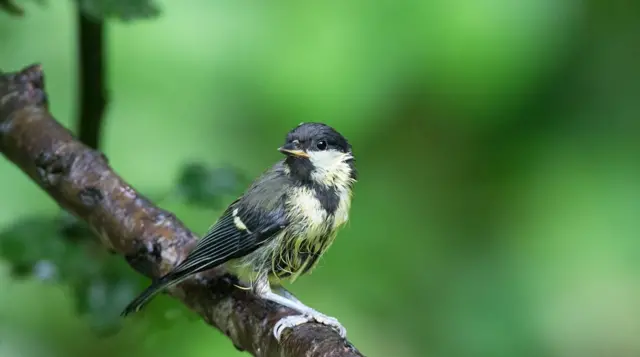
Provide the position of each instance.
(280, 226)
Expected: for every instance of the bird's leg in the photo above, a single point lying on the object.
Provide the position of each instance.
(286, 293)
(262, 288)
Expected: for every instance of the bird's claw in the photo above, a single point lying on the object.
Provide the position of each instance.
(288, 322)
(331, 321)
(296, 320)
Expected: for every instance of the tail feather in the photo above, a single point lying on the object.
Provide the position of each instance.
(175, 277)
(149, 293)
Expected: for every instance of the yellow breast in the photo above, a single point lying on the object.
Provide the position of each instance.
(341, 215)
(306, 209)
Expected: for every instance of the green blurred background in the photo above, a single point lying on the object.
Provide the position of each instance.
(497, 144)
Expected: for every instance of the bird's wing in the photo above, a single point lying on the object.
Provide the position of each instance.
(248, 222)
(237, 233)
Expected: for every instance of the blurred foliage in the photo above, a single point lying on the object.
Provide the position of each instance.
(205, 186)
(63, 251)
(11, 7)
(125, 10)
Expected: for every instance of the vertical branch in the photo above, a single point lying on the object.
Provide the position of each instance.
(92, 93)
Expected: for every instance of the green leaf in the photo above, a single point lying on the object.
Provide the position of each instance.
(125, 10)
(64, 250)
(207, 187)
(11, 8)
(33, 243)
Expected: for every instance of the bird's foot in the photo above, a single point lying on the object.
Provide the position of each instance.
(296, 320)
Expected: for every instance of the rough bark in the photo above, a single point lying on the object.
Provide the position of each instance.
(152, 240)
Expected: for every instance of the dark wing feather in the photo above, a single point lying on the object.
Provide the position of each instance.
(227, 239)
(217, 246)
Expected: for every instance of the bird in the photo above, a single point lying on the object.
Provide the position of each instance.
(278, 229)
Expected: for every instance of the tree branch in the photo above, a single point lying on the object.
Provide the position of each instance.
(153, 240)
(92, 95)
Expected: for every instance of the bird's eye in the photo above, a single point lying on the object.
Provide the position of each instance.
(321, 145)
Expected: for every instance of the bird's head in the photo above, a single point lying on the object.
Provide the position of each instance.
(317, 153)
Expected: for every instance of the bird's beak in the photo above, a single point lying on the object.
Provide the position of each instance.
(292, 150)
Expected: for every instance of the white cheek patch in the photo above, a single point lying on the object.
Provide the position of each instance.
(330, 167)
(325, 159)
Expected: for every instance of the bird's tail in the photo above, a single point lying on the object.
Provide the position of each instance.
(149, 293)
